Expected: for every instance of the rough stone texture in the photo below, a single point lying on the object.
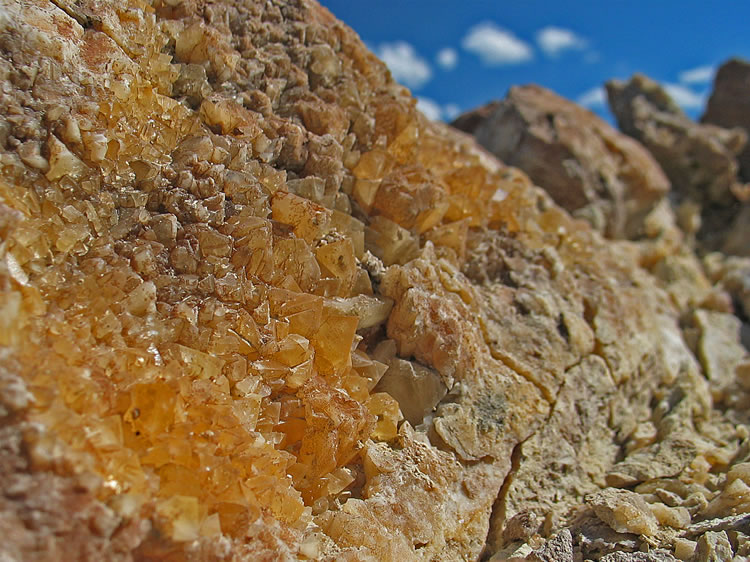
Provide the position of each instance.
(557, 549)
(728, 106)
(222, 225)
(713, 547)
(624, 511)
(587, 167)
(699, 159)
(656, 556)
(732, 275)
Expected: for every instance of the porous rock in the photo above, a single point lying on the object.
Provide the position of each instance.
(713, 547)
(655, 556)
(732, 274)
(557, 549)
(624, 511)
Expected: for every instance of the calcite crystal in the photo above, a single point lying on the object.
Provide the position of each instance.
(255, 306)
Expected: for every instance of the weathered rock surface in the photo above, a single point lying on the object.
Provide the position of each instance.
(586, 166)
(699, 159)
(226, 236)
(728, 106)
(732, 274)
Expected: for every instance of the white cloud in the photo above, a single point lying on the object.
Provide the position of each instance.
(405, 64)
(496, 46)
(684, 97)
(698, 75)
(451, 111)
(595, 97)
(447, 58)
(436, 112)
(430, 108)
(554, 40)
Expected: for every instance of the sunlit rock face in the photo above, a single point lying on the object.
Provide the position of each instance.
(254, 306)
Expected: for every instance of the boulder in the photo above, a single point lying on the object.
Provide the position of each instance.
(699, 159)
(255, 306)
(586, 166)
(729, 104)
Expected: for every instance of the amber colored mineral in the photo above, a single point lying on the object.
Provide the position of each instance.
(255, 306)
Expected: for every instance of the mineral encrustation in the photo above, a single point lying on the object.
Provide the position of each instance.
(255, 306)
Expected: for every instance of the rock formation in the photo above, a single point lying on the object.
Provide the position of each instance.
(586, 166)
(557, 144)
(255, 306)
(729, 105)
(699, 159)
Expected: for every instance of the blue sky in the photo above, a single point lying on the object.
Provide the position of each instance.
(455, 56)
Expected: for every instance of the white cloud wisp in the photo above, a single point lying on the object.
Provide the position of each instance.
(496, 46)
(595, 97)
(698, 75)
(436, 112)
(451, 111)
(554, 40)
(684, 97)
(447, 58)
(405, 64)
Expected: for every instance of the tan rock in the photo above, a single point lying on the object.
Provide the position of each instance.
(684, 548)
(624, 511)
(714, 546)
(585, 165)
(676, 517)
(720, 351)
(699, 159)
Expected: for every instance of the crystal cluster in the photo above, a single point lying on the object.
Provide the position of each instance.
(188, 263)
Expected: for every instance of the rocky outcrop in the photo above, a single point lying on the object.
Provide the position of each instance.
(729, 106)
(655, 451)
(586, 166)
(699, 159)
(255, 306)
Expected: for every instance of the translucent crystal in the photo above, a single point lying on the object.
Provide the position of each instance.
(62, 162)
(388, 414)
(337, 260)
(390, 242)
(183, 516)
(309, 221)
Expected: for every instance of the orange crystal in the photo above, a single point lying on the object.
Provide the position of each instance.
(185, 277)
